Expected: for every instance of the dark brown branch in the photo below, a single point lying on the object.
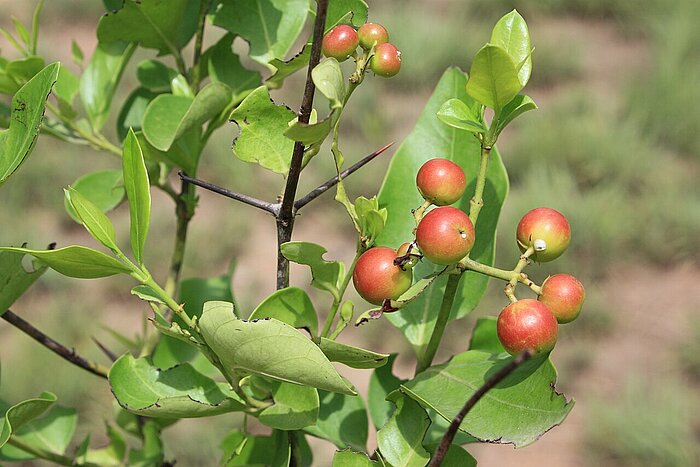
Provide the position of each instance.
(316, 192)
(500, 375)
(55, 347)
(272, 208)
(285, 218)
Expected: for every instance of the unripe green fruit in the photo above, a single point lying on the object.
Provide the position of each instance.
(527, 324)
(386, 60)
(377, 278)
(564, 295)
(445, 235)
(441, 181)
(544, 226)
(340, 42)
(372, 34)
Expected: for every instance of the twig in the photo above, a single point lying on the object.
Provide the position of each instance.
(500, 375)
(111, 355)
(272, 208)
(316, 192)
(55, 347)
(285, 218)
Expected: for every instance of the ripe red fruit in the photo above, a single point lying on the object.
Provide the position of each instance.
(340, 42)
(547, 225)
(527, 324)
(371, 34)
(386, 60)
(445, 235)
(564, 295)
(441, 181)
(377, 278)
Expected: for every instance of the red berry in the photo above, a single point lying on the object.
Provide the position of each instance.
(441, 181)
(527, 324)
(340, 42)
(564, 295)
(386, 60)
(372, 34)
(445, 235)
(377, 278)
(549, 227)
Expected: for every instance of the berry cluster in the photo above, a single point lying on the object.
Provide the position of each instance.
(342, 41)
(445, 235)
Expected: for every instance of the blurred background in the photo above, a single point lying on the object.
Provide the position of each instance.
(615, 146)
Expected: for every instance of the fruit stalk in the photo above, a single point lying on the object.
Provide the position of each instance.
(337, 300)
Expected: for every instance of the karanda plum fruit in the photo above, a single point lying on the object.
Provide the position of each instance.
(564, 295)
(377, 278)
(445, 235)
(527, 324)
(441, 181)
(547, 231)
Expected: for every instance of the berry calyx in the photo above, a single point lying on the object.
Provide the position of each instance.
(527, 324)
(372, 34)
(445, 235)
(340, 42)
(547, 231)
(441, 181)
(377, 278)
(564, 295)
(386, 60)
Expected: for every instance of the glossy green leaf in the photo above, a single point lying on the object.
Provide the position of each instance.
(295, 407)
(271, 27)
(146, 293)
(511, 33)
(99, 81)
(381, 384)
(184, 152)
(518, 410)
(178, 392)
(493, 79)
(312, 133)
(457, 114)
(401, 440)
(94, 220)
(65, 89)
(485, 336)
(24, 412)
(132, 112)
(28, 106)
(519, 105)
(340, 10)
(155, 75)
(52, 432)
(324, 273)
(76, 261)
(269, 348)
(349, 458)
(256, 451)
(14, 278)
(342, 420)
(329, 80)
(225, 66)
(138, 193)
(23, 69)
(153, 24)
(352, 356)
(290, 305)
(430, 139)
(104, 189)
(456, 456)
(262, 125)
(284, 69)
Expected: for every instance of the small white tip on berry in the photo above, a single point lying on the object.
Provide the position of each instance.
(539, 245)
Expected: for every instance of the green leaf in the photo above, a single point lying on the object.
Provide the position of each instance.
(348, 458)
(99, 81)
(352, 356)
(456, 456)
(76, 53)
(146, 293)
(271, 27)
(178, 392)
(485, 336)
(138, 193)
(168, 117)
(401, 440)
(457, 114)
(155, 76)
(184, 152)
(269, 348)
(154, 24)
(14, 278)
(295, 407)
(76, 261)
(429, 139)
(518, 410)
(340, 10)
(256, 451)
(290, 305)
(66, 88)
(342, 420)
(262, 125)
(110, 455)
(284, 69)
(511, 34)
(28, 106)
(312, 133)
(225, 66)
(328, 78)
(381, 384)
(132, 112)
(52, 432)
(519, 105)
(94, 220)
(151, 453)
(493, 79)
(104, 189)
(24, 412)
(23, 69)
(325, 274)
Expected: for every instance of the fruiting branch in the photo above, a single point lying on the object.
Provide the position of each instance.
(500, 375)
(272, 208)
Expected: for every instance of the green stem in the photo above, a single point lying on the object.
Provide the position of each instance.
(171, 303)
(420, 211)
(337, 300)
(40, 453)
(196, 62)
(472, 265)
(97, 141)
(477, 201)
